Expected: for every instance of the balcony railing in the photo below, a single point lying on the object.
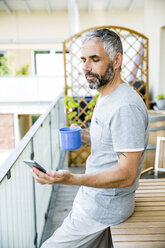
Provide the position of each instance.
(23, 202)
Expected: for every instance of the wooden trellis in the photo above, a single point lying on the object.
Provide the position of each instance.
(134, 71)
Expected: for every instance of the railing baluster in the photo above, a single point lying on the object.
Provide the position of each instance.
(20, 212)
(50, 131)
(34, 200)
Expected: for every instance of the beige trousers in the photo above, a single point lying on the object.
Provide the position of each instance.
(80, 231)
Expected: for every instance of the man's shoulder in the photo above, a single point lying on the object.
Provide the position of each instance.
(127, 96)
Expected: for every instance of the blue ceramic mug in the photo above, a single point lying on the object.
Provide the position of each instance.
(70, 138)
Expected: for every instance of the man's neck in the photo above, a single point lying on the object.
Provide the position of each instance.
(111, 86)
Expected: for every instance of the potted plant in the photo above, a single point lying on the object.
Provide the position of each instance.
(24, 70)
(160, 101)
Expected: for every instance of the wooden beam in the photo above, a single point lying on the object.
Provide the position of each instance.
(131, 4)
(27, 7)
(109, 6)
(49, 9)
(73, 16)
(90, 3)
(8, 9)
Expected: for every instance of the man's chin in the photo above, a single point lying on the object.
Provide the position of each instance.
(93, 86)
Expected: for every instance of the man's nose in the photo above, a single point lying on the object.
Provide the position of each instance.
(87, 66)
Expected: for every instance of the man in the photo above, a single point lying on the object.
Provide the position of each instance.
(118, 136)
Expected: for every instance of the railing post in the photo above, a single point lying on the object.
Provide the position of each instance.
(34, 199)
(59, 117)
(51, 148)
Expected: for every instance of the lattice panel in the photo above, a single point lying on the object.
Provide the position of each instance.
(79, 157)
(134, 71)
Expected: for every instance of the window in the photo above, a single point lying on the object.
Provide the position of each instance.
(49, 63)
(38, 54)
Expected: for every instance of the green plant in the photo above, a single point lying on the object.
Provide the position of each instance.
(5, 65)
(71, 104)
(23, 71)
(91, 107)
(160, 96)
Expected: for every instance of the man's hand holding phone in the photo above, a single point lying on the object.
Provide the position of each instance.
(32, 163)
(44, 176)
(52, 177)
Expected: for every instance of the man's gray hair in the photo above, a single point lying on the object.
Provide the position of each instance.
(111, 41)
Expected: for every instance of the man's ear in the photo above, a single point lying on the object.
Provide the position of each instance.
(118, 61)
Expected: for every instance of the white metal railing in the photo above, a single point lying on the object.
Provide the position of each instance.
(23, 202)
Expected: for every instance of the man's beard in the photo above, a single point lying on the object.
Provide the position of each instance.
(100, 80)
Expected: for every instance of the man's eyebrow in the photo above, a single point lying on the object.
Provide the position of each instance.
(94, 56)
(91, 57)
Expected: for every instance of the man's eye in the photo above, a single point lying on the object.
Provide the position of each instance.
(96, 60)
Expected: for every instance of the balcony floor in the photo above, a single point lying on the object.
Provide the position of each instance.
(65, 197)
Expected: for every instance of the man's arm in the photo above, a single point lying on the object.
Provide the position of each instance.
(123, 175)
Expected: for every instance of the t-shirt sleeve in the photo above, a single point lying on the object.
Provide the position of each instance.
(128, 129)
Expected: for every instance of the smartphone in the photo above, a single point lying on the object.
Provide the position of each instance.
(33, 163)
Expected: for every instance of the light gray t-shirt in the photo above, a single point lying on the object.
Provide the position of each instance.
(119, 124)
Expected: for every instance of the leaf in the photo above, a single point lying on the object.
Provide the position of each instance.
(160, 96)
(72, 115)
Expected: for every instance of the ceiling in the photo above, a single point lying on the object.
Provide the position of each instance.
(50, 5)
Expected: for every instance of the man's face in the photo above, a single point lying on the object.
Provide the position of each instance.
(97, 66)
